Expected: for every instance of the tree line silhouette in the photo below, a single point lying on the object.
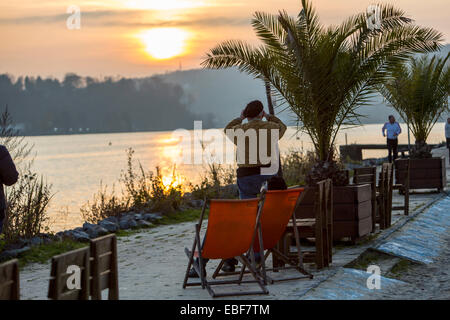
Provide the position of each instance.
(85, 104)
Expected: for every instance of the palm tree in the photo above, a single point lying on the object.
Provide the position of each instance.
(324, 74)
(419, 92)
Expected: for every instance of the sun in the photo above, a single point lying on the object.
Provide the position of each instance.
(164, 43)
(163, 4)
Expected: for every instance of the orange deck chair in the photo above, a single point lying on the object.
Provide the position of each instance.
(278, 209)
(231, 231)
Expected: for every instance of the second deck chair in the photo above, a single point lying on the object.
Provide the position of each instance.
(277, 210)
(232, 226)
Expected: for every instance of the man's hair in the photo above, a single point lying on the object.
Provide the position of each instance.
(253, 109)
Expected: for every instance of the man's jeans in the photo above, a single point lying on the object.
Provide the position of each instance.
(448, 146)
(250, 186)
(392, 145)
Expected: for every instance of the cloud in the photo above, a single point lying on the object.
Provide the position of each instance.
(127, 18)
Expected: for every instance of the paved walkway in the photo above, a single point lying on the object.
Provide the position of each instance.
(152, 263)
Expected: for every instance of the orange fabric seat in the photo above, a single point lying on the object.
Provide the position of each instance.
(231, 225)
(276, 213)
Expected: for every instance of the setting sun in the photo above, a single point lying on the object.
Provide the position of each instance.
(164, 43)
(163, 5)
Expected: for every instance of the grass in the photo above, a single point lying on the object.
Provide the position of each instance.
(399, 268)
(364, 260)
(182, 216)
(43, 253)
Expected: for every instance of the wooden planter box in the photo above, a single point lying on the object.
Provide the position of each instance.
(352, 210)
(423, 174)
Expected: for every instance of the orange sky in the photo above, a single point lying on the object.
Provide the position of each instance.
(118, 37)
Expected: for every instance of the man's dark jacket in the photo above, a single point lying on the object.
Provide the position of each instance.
(8, 176)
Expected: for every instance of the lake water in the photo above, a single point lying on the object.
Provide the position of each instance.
(76, 164)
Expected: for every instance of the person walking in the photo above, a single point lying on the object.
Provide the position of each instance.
(8, 176)
(447, 136)
(392, 129)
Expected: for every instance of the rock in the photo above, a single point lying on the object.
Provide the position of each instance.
(59, 236)
(152, 217)
(108, 225)
(35, 241)
(94, 230)
(50, 240)
(127, 223)
(79, 236)
(132, 224)
(138, 216)
(112, 219)
(79, 229)
(144, 224)
(10, 254)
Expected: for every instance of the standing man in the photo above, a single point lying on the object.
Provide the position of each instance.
(447, 136)
(8, 176)
(252, 171)
(393, 130)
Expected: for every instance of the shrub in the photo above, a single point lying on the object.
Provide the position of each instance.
(27, 201)
(103, 205)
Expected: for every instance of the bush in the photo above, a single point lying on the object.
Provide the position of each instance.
(214, 184)
(141, 191)
(27, 201)
(296, 164)
(103, 205)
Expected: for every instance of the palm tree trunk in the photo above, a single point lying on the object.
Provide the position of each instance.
(269, 98)
(272, 112)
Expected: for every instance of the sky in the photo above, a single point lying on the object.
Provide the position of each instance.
(137, 38)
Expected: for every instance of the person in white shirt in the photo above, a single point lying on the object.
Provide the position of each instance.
(447, 136)
(392, 129)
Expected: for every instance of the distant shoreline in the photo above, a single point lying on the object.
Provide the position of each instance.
(167, 130)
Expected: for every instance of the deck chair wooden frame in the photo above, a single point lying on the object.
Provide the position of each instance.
(323, 228)
(58, 289)
(198, 251)
(404, 188)
(368, 175)
(9, 280)
(270, 246)
(104, 271)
